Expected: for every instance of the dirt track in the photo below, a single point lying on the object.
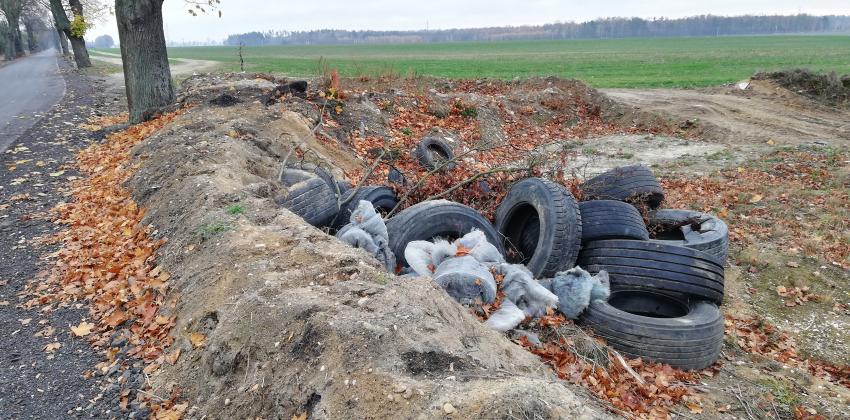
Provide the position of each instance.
(746, 120)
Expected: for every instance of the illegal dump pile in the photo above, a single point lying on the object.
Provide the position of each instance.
(663, 295)
(271, 317)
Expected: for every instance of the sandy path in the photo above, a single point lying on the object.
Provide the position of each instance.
(183, 66)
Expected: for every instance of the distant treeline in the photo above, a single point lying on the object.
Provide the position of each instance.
(706, 25)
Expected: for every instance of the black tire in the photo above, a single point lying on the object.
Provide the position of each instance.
(608, 219)
(658, 327)
(436, 219)
(383, 198)
(634, 184)
(647, 265)
(692, 229)
(431, 152)
(290, 176)
(312, 199)
(541, 226)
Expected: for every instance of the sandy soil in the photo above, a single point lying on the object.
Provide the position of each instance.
(749, 121)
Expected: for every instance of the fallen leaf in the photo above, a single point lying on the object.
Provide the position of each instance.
(197, 339)
(694, 408)
(83, 329)
(173, 356)
(52, 347)
(756, 198)
(57, 173)
(302, 416)
(793, 264)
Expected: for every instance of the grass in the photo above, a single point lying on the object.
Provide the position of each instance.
(236, 209)
(637, 62)
(209, 230)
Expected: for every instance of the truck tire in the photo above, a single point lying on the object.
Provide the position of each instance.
(312, 199)
(691, 229)
(608, 219)
(658, 327)
(541, 225)
(634, 184)
(656, 266)
(436, 219)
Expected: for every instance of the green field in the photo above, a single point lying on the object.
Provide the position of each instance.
(656, 62)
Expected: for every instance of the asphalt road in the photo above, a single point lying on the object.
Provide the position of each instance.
(29, 87)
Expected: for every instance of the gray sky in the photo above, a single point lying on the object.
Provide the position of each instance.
(260, 15)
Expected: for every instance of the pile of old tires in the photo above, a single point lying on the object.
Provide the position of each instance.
(666, 267)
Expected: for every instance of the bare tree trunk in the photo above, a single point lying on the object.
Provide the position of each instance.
(63, 42)
(32, 37)
(81, 54)
(147, 75)
(78, 44)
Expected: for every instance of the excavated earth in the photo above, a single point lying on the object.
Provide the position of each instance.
(293, 321)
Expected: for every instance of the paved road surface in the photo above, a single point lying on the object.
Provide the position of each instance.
(28, 88)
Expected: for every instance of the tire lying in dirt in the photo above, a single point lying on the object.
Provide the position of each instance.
(383, 198)
(436, 219)
(658, 327)
(646, 265)
(634, 184)
(541, 226)
(692, 229)
(298, 171)
(312, 199)
(608, 219)
(431, 152)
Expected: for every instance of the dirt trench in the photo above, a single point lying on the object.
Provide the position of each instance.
(276, 319)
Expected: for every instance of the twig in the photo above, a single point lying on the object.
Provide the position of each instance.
(627, 367)
(150, 394)
(321, 115)
(472, 179)
(422, 180)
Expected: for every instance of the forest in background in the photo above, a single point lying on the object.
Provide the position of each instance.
(706, 25)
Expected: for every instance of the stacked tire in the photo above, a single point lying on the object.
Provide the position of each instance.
(666, 271)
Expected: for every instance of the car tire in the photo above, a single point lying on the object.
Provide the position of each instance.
(436, 219)
(650, 265)
(384, 199)
(608, 219)
(541, 226)
(658, 327)
(691, 229)
(634, 184)
(431, 152)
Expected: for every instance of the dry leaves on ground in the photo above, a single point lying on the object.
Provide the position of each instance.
(755, 335)
(107, 257)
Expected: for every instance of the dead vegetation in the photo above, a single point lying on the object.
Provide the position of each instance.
(830, 88)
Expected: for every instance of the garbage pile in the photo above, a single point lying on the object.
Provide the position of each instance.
(647, 280)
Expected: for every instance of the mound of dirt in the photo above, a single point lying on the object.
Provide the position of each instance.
(276, 319)
(830, 89)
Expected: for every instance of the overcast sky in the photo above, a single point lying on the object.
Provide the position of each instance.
(240, 16)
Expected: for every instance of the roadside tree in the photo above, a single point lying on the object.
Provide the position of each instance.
(147, 75)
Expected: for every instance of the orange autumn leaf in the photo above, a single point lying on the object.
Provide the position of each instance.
(197, 339)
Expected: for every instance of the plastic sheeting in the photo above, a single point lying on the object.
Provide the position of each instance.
(576, 288)
(368, 232)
